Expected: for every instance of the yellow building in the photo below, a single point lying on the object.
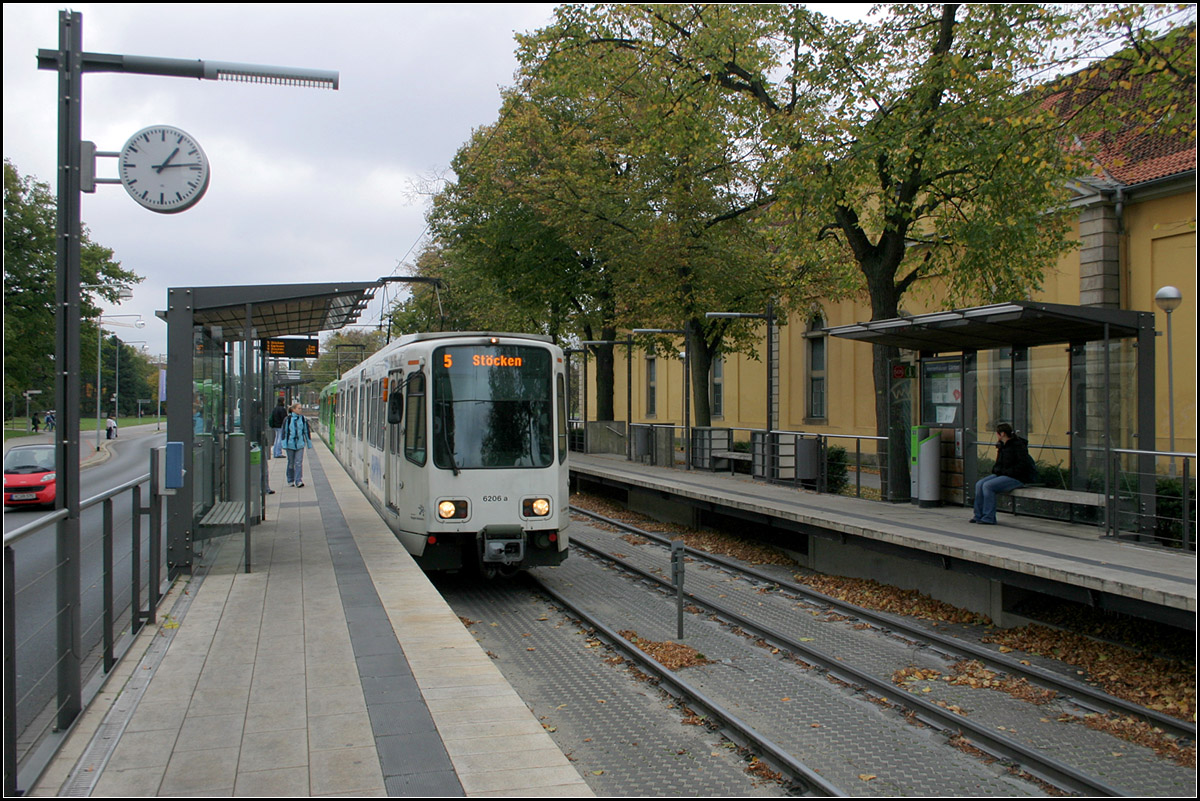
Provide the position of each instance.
(1136, 234)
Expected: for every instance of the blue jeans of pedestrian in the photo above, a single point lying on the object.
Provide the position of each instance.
(276, 444)
(295, 465)
(985, 495)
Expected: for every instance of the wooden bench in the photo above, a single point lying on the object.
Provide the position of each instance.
(1076, 497)
(733, 457)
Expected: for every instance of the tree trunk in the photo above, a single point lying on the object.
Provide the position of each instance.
(701, 355)
(605, 380)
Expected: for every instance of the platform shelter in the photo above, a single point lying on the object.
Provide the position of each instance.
(1077, 382)
(218, 394)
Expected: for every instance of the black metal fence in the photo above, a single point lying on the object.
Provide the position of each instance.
(66, 625)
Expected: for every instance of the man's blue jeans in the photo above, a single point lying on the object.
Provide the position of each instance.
(985, 495)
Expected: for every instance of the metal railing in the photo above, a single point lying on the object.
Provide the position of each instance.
(1157, 507)
(658, 444)
(60, 641)
(800, 458)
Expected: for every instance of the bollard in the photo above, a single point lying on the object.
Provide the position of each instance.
(677, 552)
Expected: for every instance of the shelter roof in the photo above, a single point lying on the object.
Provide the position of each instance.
(1002, 325)
(280, 309)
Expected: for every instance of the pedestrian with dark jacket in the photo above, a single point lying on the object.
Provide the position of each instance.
(1014, 468)
(295, 438)
(278, 415)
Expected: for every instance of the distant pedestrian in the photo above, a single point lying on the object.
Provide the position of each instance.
(50, 421)
(37, 422)
(111, 426)
(278, 415)
(296, 439)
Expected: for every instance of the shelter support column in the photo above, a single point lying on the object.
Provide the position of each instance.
(179, 426)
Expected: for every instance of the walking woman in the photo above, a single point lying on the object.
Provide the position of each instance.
(295, 438)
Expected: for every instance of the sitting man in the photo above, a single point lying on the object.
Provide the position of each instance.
(1014, 468)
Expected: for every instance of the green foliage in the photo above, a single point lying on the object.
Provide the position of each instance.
(340, 351)
(837, 472)
(30, 278)
(1168, 524)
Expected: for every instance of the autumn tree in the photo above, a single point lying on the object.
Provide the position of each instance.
(339, 351)
(909, 148)
(30, 276)
(656, 173)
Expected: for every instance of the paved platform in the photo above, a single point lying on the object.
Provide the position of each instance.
(1040, 551)
(334, 668)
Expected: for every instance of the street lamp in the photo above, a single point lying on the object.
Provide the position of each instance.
(1168, 299)
(117, 373)
(769, 316)
(687, 388)
(138, 323)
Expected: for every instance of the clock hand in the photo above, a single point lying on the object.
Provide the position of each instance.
(167, 161)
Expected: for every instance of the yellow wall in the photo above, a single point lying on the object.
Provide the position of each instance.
(1161, 249)
(1158, 247)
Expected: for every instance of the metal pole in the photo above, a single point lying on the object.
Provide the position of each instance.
(99, 342)
(117, 382)
(585, 398)
(66, 385)
(687, 400)
(107, 561)
(629, 397)
(769, 452)
(10, 674)
(247, 412)
(1170, 391)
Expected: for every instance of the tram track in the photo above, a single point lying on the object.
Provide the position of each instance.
(1084, 695)
(986, 736)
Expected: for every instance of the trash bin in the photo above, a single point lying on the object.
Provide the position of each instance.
(930, 486)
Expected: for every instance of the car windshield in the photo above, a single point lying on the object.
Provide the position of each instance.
(29, 460)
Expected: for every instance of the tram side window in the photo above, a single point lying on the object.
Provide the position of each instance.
(414, 414)
(562, 419)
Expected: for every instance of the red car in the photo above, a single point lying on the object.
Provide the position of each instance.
(29, 476)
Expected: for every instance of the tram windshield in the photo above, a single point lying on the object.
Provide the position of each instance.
(492, 407)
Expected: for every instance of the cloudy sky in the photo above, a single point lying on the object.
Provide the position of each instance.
(307, 185)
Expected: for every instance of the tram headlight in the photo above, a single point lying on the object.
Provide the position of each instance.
(452, 510)
(536, 507)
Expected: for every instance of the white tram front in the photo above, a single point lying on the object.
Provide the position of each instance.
(460, 441)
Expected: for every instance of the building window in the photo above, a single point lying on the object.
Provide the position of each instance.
(651, 386)
(817, 359)
(717, 386)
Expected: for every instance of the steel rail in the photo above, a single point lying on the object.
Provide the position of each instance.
(742, 730)
(1041, 765)
(1085, 695)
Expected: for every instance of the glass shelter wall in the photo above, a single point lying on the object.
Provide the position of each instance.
(208, 411)
(1073, 403)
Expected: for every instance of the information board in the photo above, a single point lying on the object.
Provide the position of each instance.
(941, 392)
(290, 348)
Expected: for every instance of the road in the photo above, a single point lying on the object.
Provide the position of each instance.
(126, 458)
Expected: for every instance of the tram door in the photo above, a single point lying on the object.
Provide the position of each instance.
(393, 440)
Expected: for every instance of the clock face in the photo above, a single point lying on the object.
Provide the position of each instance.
(164, 169)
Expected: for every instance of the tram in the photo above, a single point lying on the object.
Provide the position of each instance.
(460, 441)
